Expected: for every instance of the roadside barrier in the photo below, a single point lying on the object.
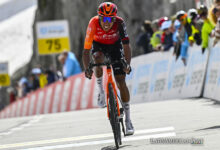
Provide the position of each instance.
(75, 93)
(212, 82)
(159, 76)
(155, 76)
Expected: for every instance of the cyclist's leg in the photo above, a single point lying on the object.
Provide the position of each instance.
(124, 93)
(98, 57)
(116, 54)
(125, 96)
(119, 74)
(120, 80)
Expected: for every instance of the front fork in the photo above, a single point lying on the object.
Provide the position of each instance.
(120, 110)
(115, 93)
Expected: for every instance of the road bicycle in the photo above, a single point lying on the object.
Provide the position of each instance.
(115, 110)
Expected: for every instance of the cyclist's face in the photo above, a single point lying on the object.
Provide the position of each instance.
(107, 22)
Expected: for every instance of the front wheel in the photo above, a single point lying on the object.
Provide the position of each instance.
(113, 113)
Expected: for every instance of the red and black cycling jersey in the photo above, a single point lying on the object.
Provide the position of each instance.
(96, 33)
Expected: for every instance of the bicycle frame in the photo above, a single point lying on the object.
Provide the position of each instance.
(111, 97)
(110, 80)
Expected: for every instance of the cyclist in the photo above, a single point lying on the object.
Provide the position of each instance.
(106, 34)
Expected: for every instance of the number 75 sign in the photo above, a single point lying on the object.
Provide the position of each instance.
(52, 37)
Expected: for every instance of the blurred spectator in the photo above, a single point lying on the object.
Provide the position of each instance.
(216, 12)
(212, 16)
(12, 94)
(181, 42)
(59, 75)
(24, 86)
(161, 21)
(186, 22)
(206, 28)
(193, 15)
(70, 64)
(167, 42)
(186, 31)
(155, 40)
(177, 38)
(41, 77)
(143, 39)
(193, 18)
(51, 76)
(34, 81)
(19, 91)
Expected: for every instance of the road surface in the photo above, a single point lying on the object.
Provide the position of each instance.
(186, 120)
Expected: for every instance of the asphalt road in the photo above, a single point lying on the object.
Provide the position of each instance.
(164, 125)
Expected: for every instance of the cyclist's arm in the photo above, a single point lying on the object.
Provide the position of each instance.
(86, 58)
(125, 41)
(88, 43)
(127, 53)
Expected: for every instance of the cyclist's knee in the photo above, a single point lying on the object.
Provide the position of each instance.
(98, 57)
(98, 72)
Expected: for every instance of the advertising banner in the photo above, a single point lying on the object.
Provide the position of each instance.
(212, 82)
(159, 76)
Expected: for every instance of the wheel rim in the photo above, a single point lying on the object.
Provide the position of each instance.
(114, 118)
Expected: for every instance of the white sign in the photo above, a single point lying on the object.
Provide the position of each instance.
(4, 68)
(52, 29)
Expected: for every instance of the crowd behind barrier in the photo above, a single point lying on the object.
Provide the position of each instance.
(40, 77)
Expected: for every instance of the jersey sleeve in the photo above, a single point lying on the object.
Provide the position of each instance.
(123, 32)
(91, 29)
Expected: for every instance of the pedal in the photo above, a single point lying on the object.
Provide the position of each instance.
(121, 113)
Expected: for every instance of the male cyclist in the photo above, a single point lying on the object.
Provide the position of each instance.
(106, 34)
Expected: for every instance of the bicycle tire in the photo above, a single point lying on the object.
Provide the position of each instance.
(115, 123)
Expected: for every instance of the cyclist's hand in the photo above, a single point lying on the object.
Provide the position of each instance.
(88, 73)
(127, 70)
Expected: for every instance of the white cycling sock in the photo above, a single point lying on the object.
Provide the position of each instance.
(100, 85)
(127, 111)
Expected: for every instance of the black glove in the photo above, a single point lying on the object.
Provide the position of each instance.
(203, 50)
(88, 73)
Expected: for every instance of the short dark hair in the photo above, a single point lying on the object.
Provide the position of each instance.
(147, 25)
(217, 1)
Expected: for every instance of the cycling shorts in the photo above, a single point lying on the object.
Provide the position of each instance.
(114, 51)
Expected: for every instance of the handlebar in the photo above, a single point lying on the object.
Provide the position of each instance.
(108, 63)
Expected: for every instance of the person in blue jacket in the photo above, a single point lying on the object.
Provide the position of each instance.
(70, 64)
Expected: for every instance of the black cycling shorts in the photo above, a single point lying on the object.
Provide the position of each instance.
(114, 51)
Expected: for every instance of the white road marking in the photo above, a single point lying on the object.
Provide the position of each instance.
(89, 137)
(155, 130)
(145, 137)
(22, 126)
